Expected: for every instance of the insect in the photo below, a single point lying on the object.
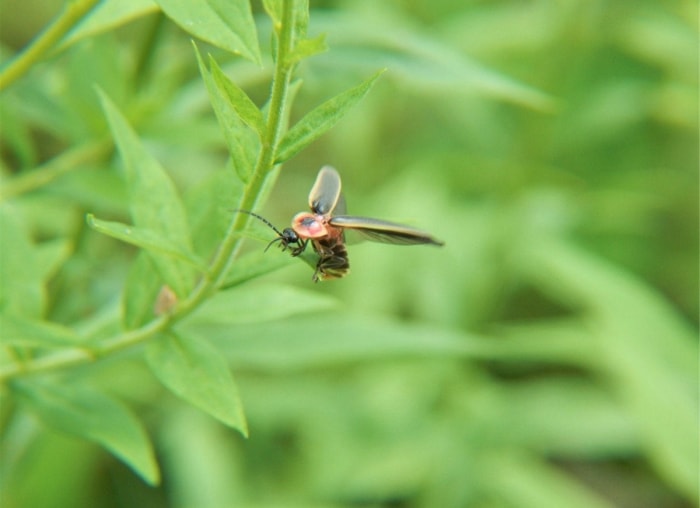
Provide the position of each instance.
(325, 228)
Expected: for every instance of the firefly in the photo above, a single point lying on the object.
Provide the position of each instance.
(324, 227)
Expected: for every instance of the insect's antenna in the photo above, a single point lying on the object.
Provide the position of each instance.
(263, 219)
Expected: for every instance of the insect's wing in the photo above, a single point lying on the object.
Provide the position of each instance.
(340, 207)
(325, 193)
(384, 231)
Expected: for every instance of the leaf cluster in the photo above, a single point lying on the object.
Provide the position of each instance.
(186, 247)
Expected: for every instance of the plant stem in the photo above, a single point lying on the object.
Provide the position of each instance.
(18, 67)
(232, 241)
(229, 246)
(265, 164)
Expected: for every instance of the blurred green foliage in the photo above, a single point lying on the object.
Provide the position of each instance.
(546, 356)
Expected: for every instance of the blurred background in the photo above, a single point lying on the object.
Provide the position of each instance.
(545, 356)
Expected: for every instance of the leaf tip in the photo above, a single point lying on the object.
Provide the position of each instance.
(152, 476)
(102, 95)
(379, 73)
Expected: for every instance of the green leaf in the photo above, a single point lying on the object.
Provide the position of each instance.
(18, 141)
(239, 100)
(154, 201)
(210, 206)
(529, 482)
(603, 426)
(419, 61)
(196, 371)
(556, 341)
(140, 292)
(106, 16)
(306, 48)
(228, 25)
(320, 119)
(294, 88)
(330, 338)
(200, 451)
(300, 12)
(144, 238)
(52, 254)
(21, 331)
(242, 142)
(274, 10)
(21, 286)
(92, 415)
(255, 264)
(238, 16)
(643, 346)
(258, 303)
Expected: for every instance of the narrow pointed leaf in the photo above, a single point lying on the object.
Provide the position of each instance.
(195, 371)
(420, 61)
(95, 416)
(154, 201)
(144, 238)
(260, 303)
(238, 15)
(208, 20)
(274, 10)
(321, 119)
(140, 292)
(52, 254)
(242, 142)
(306, 48)
(660, 386)
(21, 285)
(300, 11)
(238, 99)
(330, 338)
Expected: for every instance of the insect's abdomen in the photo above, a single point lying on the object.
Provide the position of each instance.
(333, 260)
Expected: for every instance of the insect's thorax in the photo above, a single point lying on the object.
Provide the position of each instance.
(309, 225)
(313, 226)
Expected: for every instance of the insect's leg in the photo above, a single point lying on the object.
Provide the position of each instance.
(301, 247)
(333, 262)
(279, 239)
(318, 273)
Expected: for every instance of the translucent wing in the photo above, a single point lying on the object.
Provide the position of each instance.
(325, 193)
(340, 207)
(384, 231)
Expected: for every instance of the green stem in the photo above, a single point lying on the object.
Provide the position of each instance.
(265, 164)
(228, 248)
(232, 241)
(18, 67)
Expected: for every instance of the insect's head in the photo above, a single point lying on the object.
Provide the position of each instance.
(287, 238)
